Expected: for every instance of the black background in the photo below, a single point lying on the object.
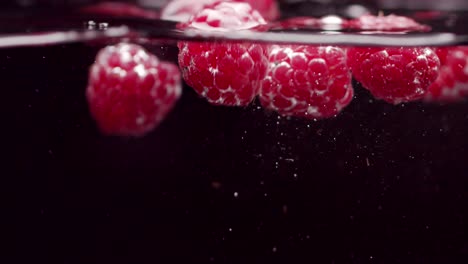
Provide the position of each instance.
(377, 184)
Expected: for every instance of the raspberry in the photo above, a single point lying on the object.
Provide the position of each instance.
(224, 73)
(130, 91)
(226, 16)
(452, 83)
(182, 10)
(267, 8)
(307, 81)
(390, 23)
(394, 74)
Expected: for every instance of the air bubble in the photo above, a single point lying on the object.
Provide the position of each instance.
(90, 24)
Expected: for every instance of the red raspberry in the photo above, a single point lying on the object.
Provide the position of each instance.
(390, 23)
(130, 91)
(307, 81)
(182, 10)
(224, 73)
(452, 83)
(267, 8)
(394, 74)
(226, 16)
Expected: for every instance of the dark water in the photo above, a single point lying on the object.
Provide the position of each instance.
(377, 184)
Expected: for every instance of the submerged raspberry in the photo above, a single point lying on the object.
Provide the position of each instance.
(224, 73)
(130, 91)
(452, 83)
(394, 74)
(307, 81)
(182, 10)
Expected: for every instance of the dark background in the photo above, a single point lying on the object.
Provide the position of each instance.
(377, 184)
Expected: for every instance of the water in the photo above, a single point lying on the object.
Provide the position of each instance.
(379, 183)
